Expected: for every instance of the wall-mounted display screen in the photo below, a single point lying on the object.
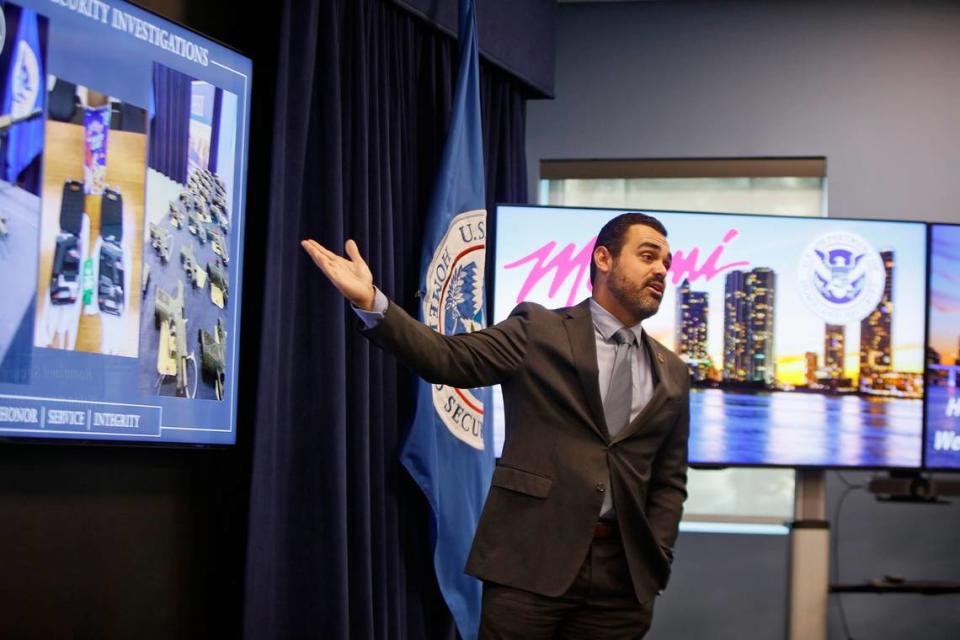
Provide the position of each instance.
(804, 336)
(943, 350)
(123, 143)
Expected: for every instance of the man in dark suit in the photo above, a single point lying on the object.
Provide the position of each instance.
(576, 536)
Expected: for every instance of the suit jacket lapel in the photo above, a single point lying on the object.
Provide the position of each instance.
(660, 392)
(579, 326)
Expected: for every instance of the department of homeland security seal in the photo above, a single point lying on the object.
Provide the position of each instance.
(26, 81)
(453, 303)
(842, 277)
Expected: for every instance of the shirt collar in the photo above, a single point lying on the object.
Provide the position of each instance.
(606, 324)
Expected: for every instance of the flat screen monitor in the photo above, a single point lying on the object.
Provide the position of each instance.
(123, 145)
(803, 336)
(942, 443)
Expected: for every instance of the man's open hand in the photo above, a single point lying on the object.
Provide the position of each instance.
(351, 276)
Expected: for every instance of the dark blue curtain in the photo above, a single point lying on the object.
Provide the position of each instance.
(338, 533)
(215, 129)
(170, 125)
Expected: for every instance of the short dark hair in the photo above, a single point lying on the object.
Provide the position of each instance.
(614, 234)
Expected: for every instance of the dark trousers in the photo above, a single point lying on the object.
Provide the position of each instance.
(599, 605)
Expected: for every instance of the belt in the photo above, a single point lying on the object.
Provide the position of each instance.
(606, 529)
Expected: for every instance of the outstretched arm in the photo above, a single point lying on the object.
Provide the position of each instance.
(464, 360)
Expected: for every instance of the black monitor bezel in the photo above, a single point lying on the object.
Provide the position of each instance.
(60, 441)
(926, 345)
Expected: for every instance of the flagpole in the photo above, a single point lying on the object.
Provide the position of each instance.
(448, 450)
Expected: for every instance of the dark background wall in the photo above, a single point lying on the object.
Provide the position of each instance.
(873, 87)
(123, 542)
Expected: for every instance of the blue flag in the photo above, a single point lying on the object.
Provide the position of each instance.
(24, 96)
(449, 449)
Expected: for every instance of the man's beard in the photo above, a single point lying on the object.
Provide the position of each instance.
(633, 297)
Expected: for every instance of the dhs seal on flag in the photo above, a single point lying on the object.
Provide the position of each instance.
(454, 304)
(27, 82)
(842, 277)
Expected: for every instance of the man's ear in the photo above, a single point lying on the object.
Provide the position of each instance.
(602, 259)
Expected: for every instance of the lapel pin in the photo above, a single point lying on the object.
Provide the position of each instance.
(660, 357)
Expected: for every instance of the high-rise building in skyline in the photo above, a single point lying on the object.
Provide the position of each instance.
(834, 342)
(691, 329)
(748, 327)
(876, 353)
(811, 359)
(735, 314)
(761, 282)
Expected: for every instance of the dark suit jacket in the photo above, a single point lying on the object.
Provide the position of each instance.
(547, 490)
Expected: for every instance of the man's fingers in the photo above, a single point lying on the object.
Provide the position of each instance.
(312, 250)
(351, 276)
(319, 257)
(321, 250)
(318, 252)
(353, 251)
(326, 253)
(330, 263)
(314, 247)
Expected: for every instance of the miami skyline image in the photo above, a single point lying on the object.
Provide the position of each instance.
(804, 337)
(549, 264)
(749, 358)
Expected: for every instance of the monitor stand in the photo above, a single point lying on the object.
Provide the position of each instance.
(809, 558)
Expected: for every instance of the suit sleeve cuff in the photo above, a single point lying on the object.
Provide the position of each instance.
(372, 318)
